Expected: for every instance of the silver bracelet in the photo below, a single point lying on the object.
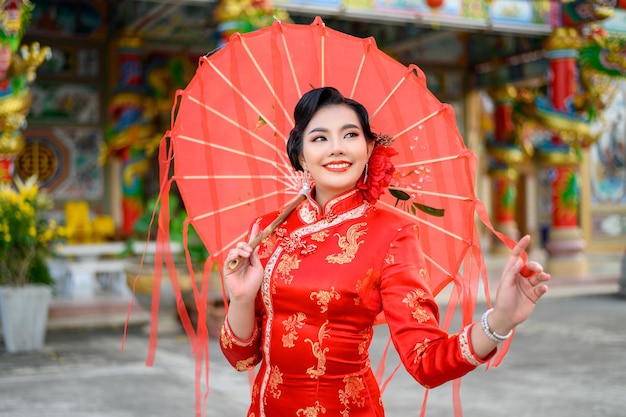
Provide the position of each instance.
(492, 335)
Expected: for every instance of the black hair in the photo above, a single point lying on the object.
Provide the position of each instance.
(306, 108)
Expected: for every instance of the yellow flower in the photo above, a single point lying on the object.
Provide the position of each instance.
(24, 232)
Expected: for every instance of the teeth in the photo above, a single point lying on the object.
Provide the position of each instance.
(338, 166)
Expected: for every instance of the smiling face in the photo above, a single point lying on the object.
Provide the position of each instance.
(334, 150)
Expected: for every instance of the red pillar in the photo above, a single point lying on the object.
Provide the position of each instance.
(506, 156)
(6, 168)
(565, 244)
(130, 128)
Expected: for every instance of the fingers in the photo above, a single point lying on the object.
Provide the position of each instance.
(526, 272)
(539, 278)
(254, 232)
(535, 287)
(516, 252)
(521, 246)
(242, 249)
(233, 261)
(531, 269)
(537, 290)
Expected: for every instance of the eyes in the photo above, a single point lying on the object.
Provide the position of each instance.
(324, 137)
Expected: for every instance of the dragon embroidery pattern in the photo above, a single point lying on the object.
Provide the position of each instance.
(349, 244)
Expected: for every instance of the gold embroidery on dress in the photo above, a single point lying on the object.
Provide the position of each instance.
(330, 215)
(424, 274)
(351, 393)
(389, 259)
(307, 215)
(413, 300)
(245, 364)
(320, 236)
(419, 348)
(313, 411)
(295, 242)
(323, 225)
(349, 244)
(276, 378)
(366, 335)
(226, 341)
(267, 246)
(291, 325)
(319, 352)
(464, 345)
(286, 264)
(255, 391)
(369, 283)
(324, 298)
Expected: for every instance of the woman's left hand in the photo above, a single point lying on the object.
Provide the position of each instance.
(520, 287)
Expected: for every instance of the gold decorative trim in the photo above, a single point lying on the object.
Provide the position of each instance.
(17, 103)
(464, 344)
(563, 38)
(504, 173)
(559, 158)
(507, 155)
(505, 93)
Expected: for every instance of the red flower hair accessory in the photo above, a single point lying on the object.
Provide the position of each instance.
(379, 170)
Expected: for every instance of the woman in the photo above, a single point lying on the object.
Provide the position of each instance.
(303, 304)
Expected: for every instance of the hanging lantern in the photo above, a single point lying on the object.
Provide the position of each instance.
(434, 4)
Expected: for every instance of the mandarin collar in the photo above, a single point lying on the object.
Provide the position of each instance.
(311, 211)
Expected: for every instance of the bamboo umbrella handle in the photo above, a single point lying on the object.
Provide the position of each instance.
(232, 265)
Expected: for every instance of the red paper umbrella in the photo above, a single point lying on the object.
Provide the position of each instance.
(228, 144)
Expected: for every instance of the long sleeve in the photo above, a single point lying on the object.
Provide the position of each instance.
(243, 354)
(427, 352)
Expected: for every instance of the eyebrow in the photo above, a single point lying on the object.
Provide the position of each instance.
(344, 127)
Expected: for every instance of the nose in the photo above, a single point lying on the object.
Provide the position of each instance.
(336, 146)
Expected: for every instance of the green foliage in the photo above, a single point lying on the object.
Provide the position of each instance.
(413, 207)
(26, 237)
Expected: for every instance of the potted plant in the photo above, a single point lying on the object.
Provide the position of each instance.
(26, 239)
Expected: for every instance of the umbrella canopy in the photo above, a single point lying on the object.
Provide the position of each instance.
(234, 118)
(228, 144)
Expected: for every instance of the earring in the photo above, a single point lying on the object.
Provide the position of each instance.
(306, 186)
(365, 171)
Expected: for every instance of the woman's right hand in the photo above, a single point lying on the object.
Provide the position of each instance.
(244, 280)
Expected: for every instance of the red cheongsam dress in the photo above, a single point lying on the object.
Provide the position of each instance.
(328, 274)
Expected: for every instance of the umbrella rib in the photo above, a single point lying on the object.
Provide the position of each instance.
(432, 193)
(248, 102)
(323, 60)
(427, 161)
(234, 123)
(442, 230)
(229, 244)
(358, 73)
(267, 83)
(419, 122)
(391, 93)
(291, 67)
(234, 206)
(438, 265)
(232, 150)
(239, 177)
(280, 168)
(427, 223)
